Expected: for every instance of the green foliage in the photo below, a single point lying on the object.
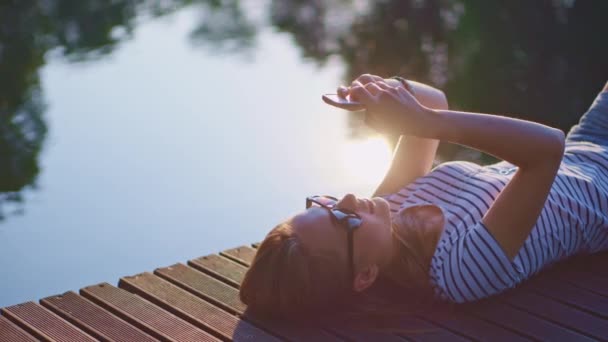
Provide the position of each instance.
(538, 60)
(81, 29)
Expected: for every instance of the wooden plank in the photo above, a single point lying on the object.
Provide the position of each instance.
(522, 322)
(93, 319)
(193, 309)
(414, 329)
(588, 281)
(566, 316)
(464, 324)
(143, 314)
(450, 318)
(365, 336)
(227, 297)
(433, 334)
(11, 333)
(590, 274)
(232, 273)
(571, 295)
(204, 286)
(223, 295)
(594, 264)
(44, 324)
(243, 255)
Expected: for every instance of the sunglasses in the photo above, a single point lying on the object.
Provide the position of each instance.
(342, 217)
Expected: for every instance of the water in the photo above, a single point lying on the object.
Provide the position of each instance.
(162, 152)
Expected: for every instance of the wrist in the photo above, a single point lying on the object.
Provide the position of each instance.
(393, 82)
(426, 123)
(434, 123)
(400, 81)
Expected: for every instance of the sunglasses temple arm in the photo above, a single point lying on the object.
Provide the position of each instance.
(351, 266)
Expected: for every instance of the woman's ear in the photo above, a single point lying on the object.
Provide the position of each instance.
(366, 277)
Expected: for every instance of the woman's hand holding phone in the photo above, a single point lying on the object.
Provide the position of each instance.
(344, 102)
(390, 108)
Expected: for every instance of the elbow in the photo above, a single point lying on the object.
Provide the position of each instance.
(443, 101)
(438, 100)
(549, 151)
(556, 145)
(428, 96)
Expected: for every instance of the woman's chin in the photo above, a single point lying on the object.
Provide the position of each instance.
(382, 206)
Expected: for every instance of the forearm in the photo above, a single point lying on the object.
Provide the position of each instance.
(537, 150)
(519, 142)
(413, 156)
(416, 153)
(413, 152)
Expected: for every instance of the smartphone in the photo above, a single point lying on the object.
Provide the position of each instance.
(341, 102)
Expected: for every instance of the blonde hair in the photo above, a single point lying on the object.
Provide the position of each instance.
(286, 280)
(410, 268)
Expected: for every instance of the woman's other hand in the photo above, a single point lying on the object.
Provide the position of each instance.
(344, 91)
(390, 108)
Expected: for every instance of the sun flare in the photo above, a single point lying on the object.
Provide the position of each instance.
(367, 160)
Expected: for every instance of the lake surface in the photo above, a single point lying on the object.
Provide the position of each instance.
(161, 152)
(174, 129)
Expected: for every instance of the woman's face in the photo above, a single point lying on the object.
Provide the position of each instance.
(372, 241)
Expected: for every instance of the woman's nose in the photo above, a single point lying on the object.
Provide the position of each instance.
(349, 201)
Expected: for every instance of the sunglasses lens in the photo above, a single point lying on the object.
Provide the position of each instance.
(351, 219)
(339, 214)
(354, 222)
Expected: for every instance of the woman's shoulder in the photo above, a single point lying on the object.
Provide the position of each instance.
(488, 268)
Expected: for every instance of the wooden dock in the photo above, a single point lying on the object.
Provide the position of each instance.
(198, 301)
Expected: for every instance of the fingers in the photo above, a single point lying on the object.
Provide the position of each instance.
(387, 87)
(368, 78)
(343, 91)
(372, 92)
(401, 91)
(374, 86)
(360, 93)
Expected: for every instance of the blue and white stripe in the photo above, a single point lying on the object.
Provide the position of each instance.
(468, 263)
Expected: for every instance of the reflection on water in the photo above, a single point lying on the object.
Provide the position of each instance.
(539, 60)
(127, 132)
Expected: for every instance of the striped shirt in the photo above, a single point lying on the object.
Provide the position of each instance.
(468, 263)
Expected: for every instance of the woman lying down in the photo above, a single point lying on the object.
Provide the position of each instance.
(459, 232)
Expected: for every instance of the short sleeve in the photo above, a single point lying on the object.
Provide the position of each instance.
(469, 264)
